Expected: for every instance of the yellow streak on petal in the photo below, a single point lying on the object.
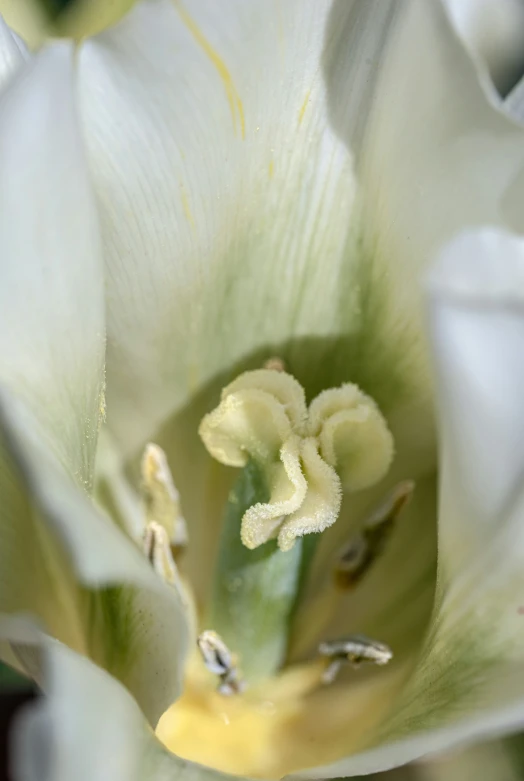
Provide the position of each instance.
(102, 406)
(233, 98)
(186, 207)
(271, 169)
(303, 107)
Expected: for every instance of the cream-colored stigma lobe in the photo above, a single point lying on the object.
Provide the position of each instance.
(308, 455)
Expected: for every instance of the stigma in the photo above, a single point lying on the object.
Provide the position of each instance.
(309, 455)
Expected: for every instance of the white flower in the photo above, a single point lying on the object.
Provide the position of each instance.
(259, 181)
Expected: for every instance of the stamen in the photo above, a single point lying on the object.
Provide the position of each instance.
(161, 498)
(352, 564)
(158, 551)
(361, 552)
(220, 661)
(355, 650)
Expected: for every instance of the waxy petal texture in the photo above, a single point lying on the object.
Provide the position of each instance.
(62, 560)
(468, 682)
(289, 213)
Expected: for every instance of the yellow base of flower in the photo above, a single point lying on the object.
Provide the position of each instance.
(289, 723)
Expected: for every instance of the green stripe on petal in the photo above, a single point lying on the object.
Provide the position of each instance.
(301, 238)
(275, 259)
(52, 312)
(468, 681)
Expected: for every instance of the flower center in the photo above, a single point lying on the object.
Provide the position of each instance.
(288, 722)
(244, 709)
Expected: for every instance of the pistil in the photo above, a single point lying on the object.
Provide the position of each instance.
(296, 462)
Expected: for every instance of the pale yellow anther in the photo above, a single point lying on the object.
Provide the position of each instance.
(161, 498)
(305, 454)
(220, 661)
(157, 549)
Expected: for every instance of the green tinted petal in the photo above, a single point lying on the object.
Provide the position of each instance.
(94, 578)
(468, 680)
(61, 559)
(287, 214)
(485, 762)
(52, 330)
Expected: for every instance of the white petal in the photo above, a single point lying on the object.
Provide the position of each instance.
(28, 558)
(493, 30)
(51, 356)
(90, 728)
(223, 250)
(514, 102)
(51, 373)
(219, 190)
(52, 295)
(50, 342)
(118, 610)
(482, 726)
(13, 53)
(490, 760)
(477, 320)
(470, 671)
(454, 162)
(432, 156)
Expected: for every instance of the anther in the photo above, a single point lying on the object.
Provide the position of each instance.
(355, 650)
(158, 551)
(220, 661)
(360, 553)
(161, 498)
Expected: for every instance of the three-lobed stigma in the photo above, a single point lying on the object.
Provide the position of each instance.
(308, 455)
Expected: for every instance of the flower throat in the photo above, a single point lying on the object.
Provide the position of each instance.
(296, 463)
